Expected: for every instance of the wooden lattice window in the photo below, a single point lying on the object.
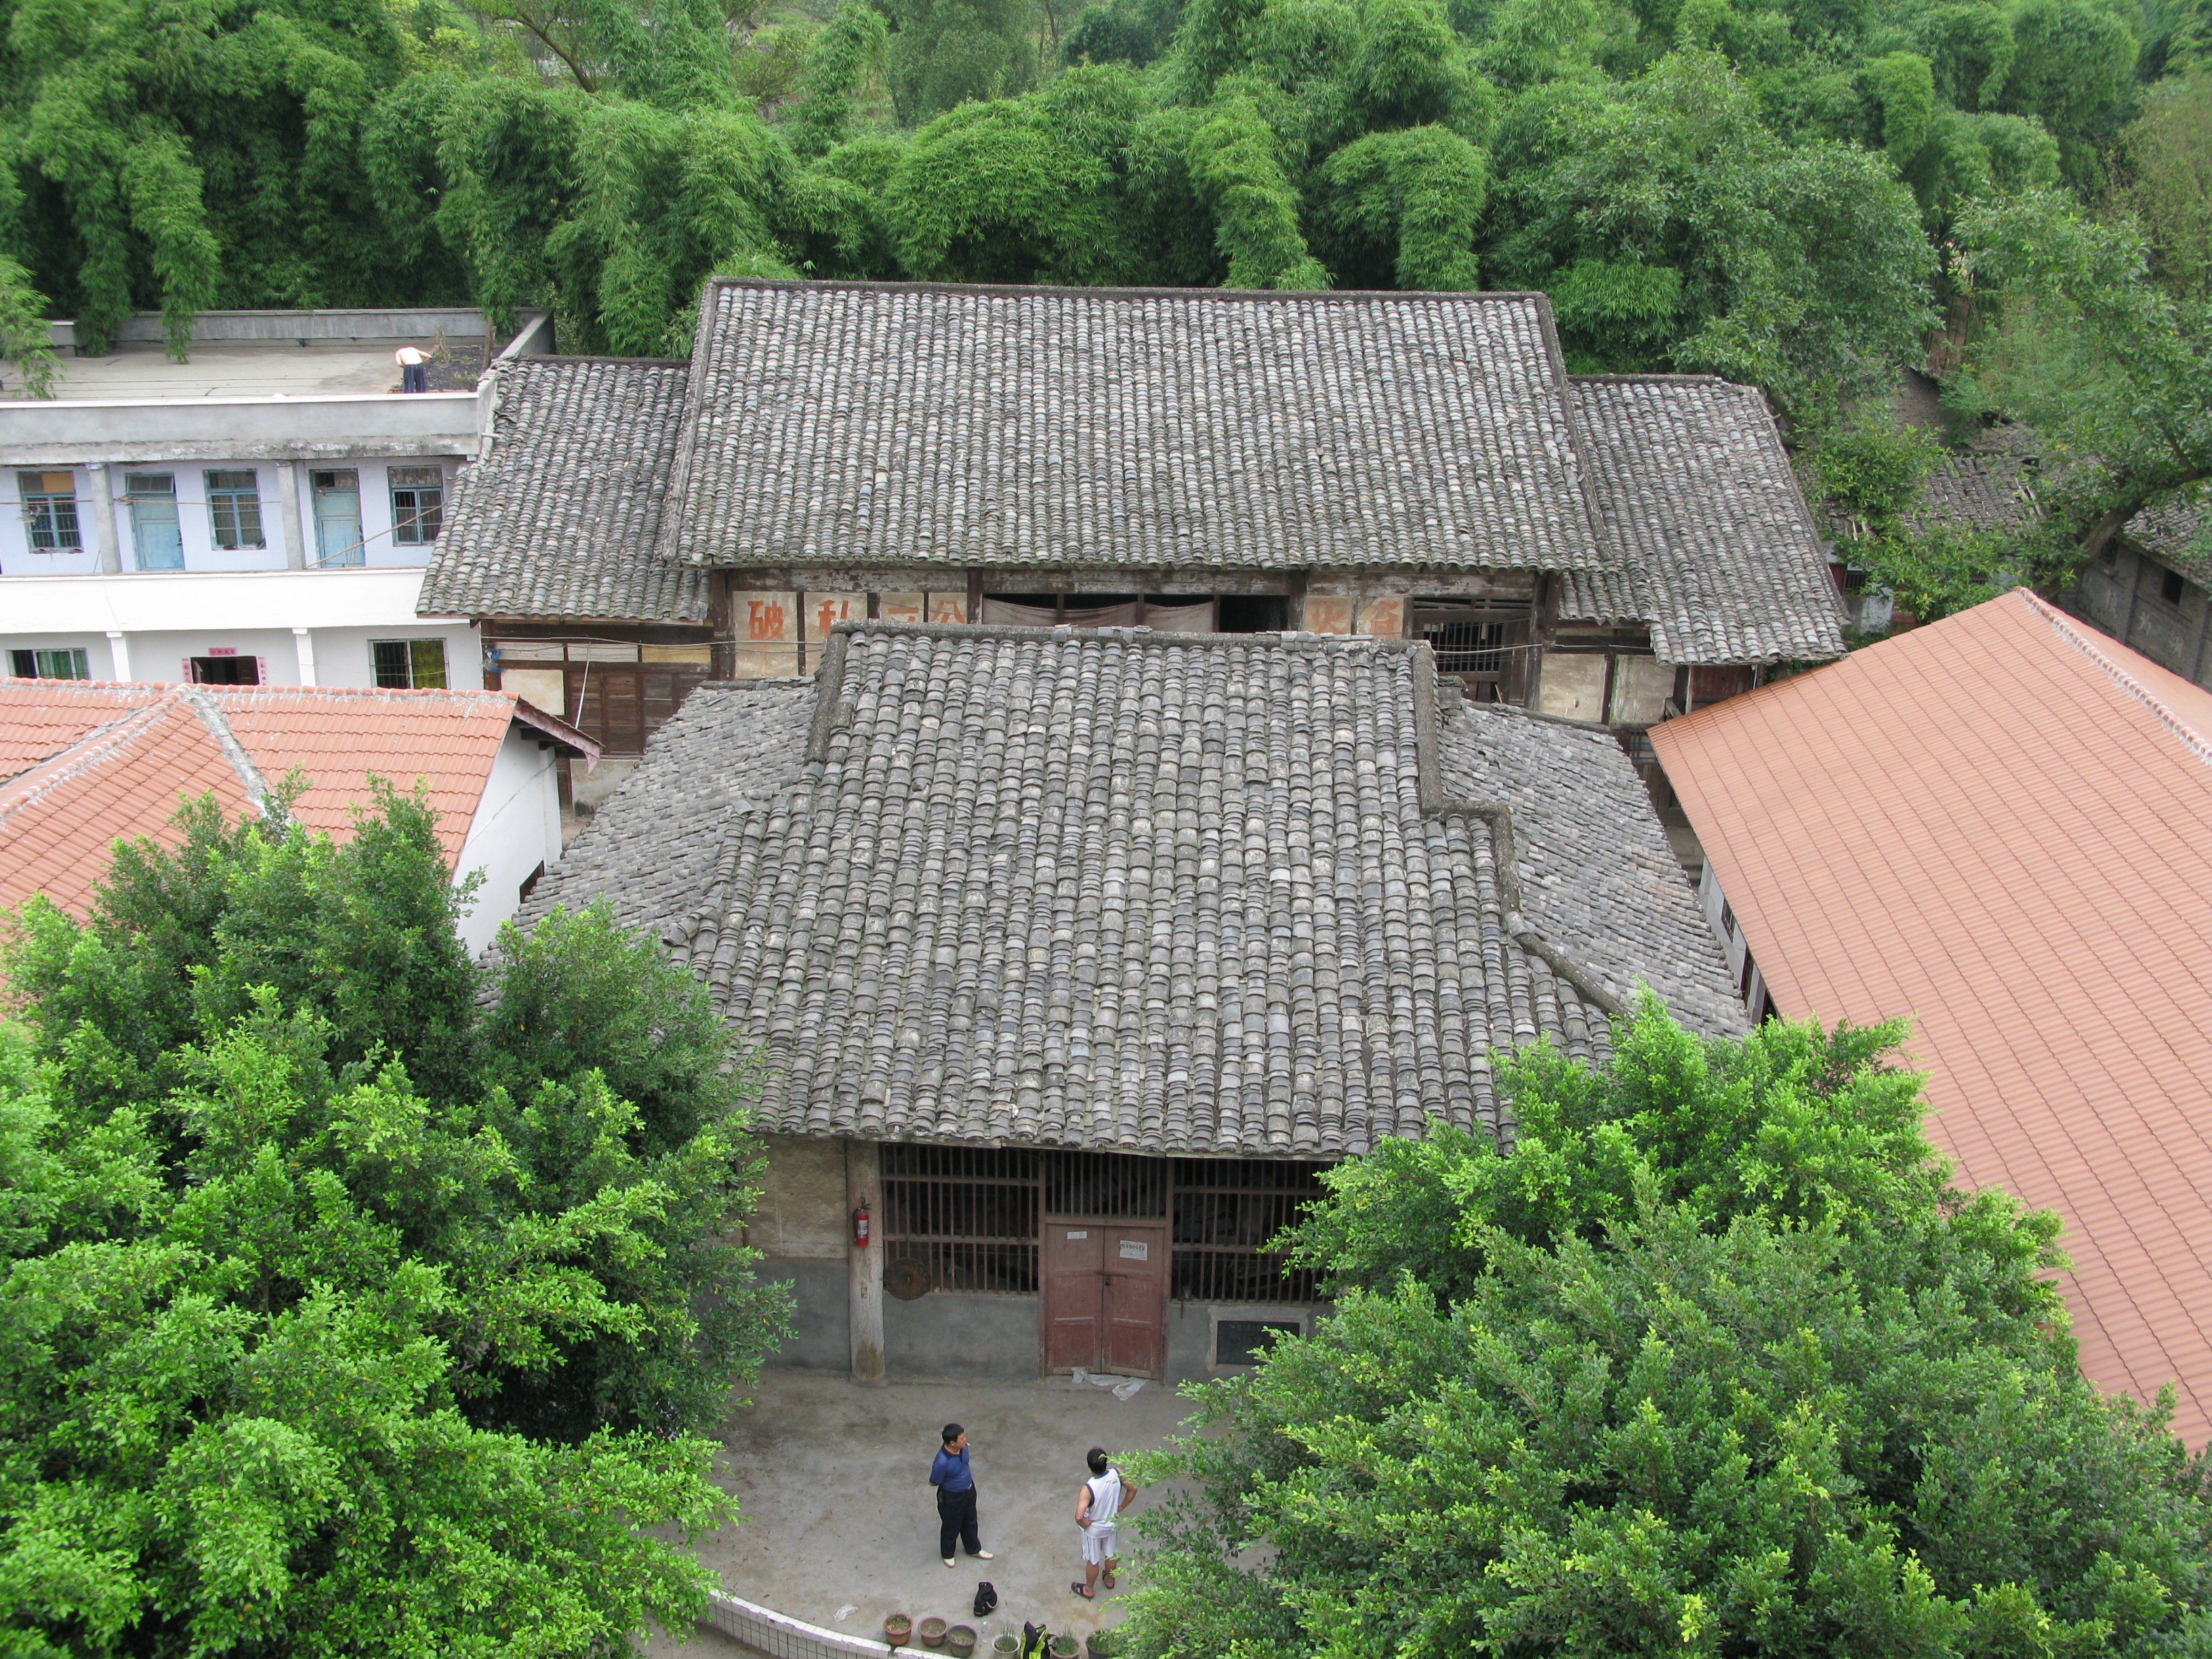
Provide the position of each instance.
(1227, 1212)
(968, 1214)
(972, 1216)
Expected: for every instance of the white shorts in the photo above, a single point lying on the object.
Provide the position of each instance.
(1098, 1543)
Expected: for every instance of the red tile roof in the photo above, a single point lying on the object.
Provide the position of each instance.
(2000, 824)
(85, 764)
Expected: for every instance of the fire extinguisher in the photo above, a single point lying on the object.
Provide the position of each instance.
(861, 1224)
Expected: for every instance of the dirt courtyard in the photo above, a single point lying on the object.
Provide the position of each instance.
(840, 1524)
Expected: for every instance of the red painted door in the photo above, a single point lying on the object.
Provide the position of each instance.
(1136, 1298)
(1074, 1295)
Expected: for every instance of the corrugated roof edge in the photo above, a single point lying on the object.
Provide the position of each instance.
(2198, 743)
(679, 474)
(1497, 814)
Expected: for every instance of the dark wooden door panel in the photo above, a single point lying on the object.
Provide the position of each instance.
(1074, 1289)
(1136, 1299)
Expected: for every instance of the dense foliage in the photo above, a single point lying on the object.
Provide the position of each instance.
(1757, 187)
(1712, 1363)
(357, 1300)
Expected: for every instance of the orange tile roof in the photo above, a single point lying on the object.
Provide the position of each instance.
(123, 779)
(2000, 824)
(88, 764)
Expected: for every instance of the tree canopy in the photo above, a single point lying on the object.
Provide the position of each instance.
(1758, 188)
(358, 1299)
(1713, 1362)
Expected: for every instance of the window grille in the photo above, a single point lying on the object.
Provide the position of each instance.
(1105, 1184)
(1486, 645)
(972, 1216)
(418, 504)
(49, 511)
(403, 664)
(235, 509)
(1227, 1212)
(969, 1214)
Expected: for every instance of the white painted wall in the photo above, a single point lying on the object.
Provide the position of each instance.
(517, 828)
(287, 507)
(164, 617)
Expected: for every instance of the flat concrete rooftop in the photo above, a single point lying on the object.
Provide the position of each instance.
(833, 1481)
(225, 368)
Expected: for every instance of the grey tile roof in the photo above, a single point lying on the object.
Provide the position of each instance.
(2179, 533)
(1696, 493)
(1980, 492)
(1205, 893)
(852, 425)
(657, 848)
(1997, 492)
(563, 516)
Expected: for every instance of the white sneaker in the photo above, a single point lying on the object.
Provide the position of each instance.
(950, 1562)
(985, 1555)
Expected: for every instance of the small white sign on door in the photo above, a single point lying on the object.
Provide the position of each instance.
(1078, 1232)
(1136, 1249)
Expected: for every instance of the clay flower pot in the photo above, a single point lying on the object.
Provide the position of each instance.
(898, 1628)
(960, 1641)
(932, 1632)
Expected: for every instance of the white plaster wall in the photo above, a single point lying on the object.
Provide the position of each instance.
(167, 617)
(517, 828)
(196, 525)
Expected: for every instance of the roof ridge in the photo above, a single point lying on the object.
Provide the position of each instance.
(1057, 291)
(74, 759)
(1287, 638)
(2199, 742)
(1661, 380)
(550, 358)
(211, 711)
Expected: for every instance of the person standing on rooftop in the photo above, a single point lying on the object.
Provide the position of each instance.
(413, 370)
(956, 1498)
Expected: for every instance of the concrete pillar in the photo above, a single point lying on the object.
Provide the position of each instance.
(119, 649)
(104, 539)
(288, 526)
(865, 1265)
(304, 639)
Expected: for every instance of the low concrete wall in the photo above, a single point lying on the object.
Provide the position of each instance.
(1190, 1333)
(821, 1319)
(985, 1337)
(781, 1636)
(376, 322)
(72, 432)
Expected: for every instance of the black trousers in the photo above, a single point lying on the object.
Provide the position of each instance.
(955, 1518)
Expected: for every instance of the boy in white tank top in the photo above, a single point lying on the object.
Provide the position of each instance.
(1101, 1500)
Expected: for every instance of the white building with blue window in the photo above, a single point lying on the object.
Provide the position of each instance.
(261, 513)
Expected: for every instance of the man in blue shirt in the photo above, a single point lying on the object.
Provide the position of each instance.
(956, 1498)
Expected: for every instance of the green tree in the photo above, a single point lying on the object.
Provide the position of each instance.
(177, 160)
(2111, 372)
(943, 52)
(2168, 187)
(1712, 1362)
(1799, 267)
(358, 1299)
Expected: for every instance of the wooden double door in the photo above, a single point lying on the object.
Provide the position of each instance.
(1105, 1301)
